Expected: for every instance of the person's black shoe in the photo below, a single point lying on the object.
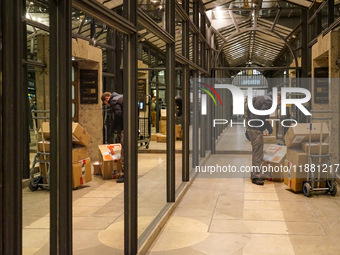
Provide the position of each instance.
(257, 181)
(120, 179)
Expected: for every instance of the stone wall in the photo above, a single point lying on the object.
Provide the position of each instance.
(325, 53)
(90, 115)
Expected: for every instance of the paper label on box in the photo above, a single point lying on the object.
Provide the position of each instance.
(109, 156)
(82, 178)
(298, 139)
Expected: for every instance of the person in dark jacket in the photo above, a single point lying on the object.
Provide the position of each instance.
(115, 101)
(256, 134)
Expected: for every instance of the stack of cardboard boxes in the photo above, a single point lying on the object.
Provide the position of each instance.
(81, 163)
(161, 137)
(297, 142)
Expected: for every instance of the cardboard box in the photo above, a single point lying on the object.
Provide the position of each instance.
(79, 153)
(44, 168)
(178, 132)
(296, 156)
(162, 126)
(161, 138)
(81, 172)
(300, 133)
(97, 167)
(315, 148)
(45, 130)
(163, 114)
(44, 146)
(294, 178)
(274, 157)
(80, 135)
(296, 160)
(111, 160)
(154, 137)
(269, 139)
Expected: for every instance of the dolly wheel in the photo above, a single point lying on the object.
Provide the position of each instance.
(334, 190)
(306, 189)
(32, 187)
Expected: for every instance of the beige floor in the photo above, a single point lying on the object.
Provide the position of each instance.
(227, 215)
(222, 215)
(98, 210)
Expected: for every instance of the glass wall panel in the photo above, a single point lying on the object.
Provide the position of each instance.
(179, 125)
(35, 194)
(155, 9)
(152, 132)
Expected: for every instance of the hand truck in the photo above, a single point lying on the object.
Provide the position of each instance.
(313, 182)
(41, 157)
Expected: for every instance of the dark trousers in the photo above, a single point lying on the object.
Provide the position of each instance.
(256, 138)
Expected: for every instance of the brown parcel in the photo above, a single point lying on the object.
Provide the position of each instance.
(45, 130)
(79, 135)
(44, 146)
(81, 172)
(297, 175)
(274, 156)
(315, 148)
(110, 162)
(78, 154)
(300, 133)
(162, 126)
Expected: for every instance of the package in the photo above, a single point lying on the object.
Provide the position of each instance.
(269, 139)
(97, 167)
(154, 137)
(315, 148)
(45, 130)
(80, 135)
(297, 160)
(161, 138)
(44, 168)
(81, 172)
(178, 129)
(163, 114)
(294, 178)
(79, 153)
(162, 126)
(44, 146)
(296, 156)
(274, 157)
(111, 160)
(300, 133)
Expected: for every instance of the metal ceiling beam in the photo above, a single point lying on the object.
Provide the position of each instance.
(234, 21)
(261, 44)
(296, 4)
(293, 31)
(102, 13)
(257, 68)
(36, 24)
(153, 27)
(261, 30)
(269, 42)
(276, 20)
